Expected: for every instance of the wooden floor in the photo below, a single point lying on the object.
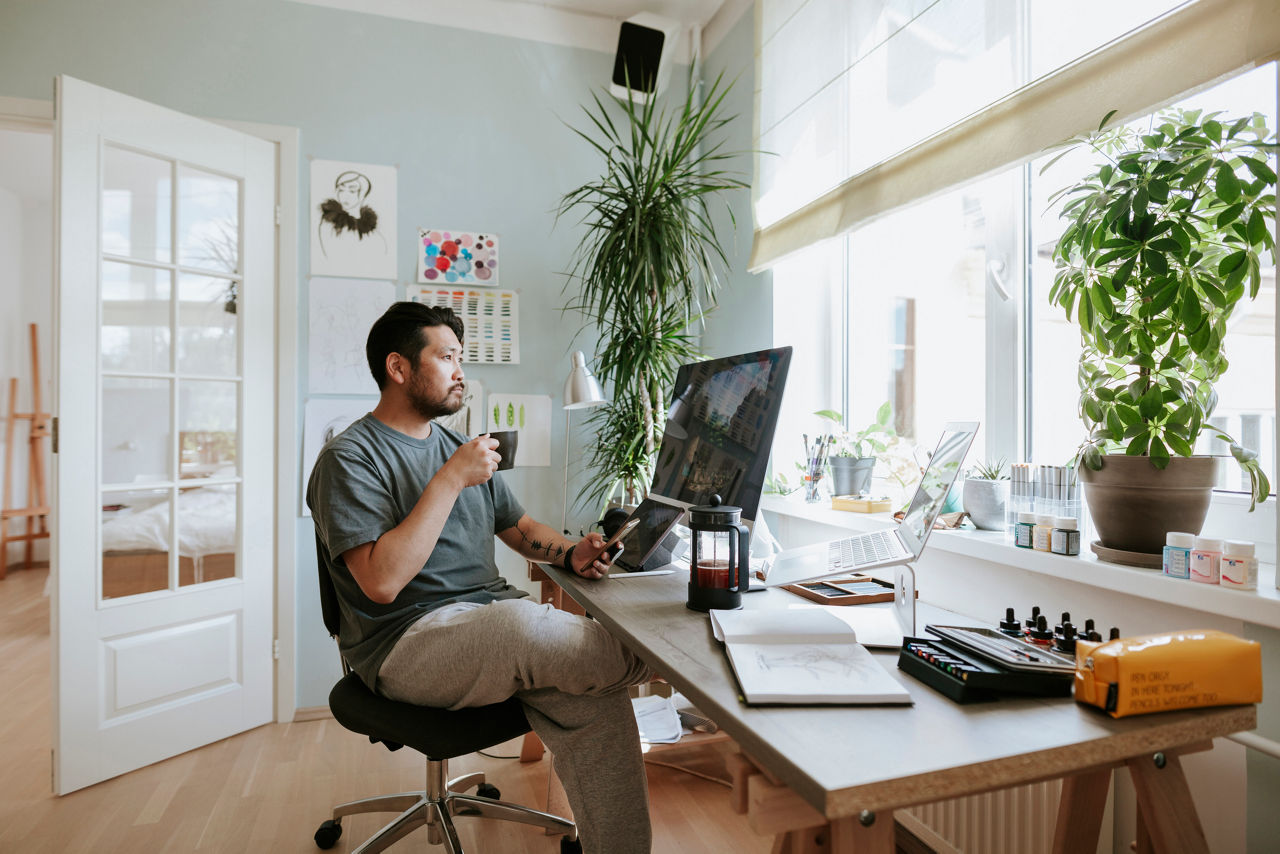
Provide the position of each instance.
(268, 789)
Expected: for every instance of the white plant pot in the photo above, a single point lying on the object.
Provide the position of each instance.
(984, 501)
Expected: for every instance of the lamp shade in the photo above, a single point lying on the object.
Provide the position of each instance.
(581, 389)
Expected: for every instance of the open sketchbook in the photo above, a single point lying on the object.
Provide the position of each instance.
(802, 656)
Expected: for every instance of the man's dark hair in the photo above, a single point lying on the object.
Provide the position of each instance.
(399, 330)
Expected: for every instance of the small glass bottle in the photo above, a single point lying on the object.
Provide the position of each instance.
(1040, 534)
(1022, 531)
(1064, 539)
(1206, 558)
(1239, 566)
(1177, 554)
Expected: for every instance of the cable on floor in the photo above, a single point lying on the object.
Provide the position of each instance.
(728, 784)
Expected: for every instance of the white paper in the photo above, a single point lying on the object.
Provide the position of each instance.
(657, 719)
(341, 313)
(490, 320)
(531, 415)
(353, 220)
(325, 419)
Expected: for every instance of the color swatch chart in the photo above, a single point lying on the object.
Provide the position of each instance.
(490, 320)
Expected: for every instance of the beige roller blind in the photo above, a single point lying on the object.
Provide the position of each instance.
(1187, 49)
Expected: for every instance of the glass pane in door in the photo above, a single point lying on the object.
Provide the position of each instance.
(207, 428)
(207, 325)
(137, 445)
(208, 220)
(135, 542)
(207, 519)
(137, 201)
(135, 318)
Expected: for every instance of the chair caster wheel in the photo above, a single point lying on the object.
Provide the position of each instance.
(488, 790)
(570, 846)
(328, 833)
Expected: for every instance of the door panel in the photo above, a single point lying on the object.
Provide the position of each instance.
(164, 540)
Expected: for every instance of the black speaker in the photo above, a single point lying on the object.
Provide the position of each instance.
(640, 66)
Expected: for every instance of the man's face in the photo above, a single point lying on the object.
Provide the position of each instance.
(435, 385)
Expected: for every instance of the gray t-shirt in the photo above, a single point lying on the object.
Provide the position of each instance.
(364, 483)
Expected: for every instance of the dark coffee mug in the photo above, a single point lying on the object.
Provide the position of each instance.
(508, 440)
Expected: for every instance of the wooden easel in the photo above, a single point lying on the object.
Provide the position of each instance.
(39, 511)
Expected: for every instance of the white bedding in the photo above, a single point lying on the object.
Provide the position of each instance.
(206, 524)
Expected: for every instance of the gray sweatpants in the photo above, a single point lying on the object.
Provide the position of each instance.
(570, 674)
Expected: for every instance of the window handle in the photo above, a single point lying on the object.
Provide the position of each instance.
(995, 272)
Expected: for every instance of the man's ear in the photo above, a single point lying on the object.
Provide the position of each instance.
(397, 368)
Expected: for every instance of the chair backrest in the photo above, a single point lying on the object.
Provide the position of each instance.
(330, 611)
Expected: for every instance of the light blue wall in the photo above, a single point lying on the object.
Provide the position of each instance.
(744, 320)
(474, 122)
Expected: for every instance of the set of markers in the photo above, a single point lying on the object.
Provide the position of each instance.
(815, 463)
(1043, 490)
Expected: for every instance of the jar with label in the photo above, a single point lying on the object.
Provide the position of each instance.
(1239, 566)
(1064, 539)
(1177, 554)
(1206, 558)
(1040, 534)
(1022, 531)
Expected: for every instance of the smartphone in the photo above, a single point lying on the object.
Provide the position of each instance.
(612, 546)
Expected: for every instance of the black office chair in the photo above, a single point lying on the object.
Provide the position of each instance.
(440, 735)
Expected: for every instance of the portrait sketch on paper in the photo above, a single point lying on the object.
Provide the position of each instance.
(353, 220)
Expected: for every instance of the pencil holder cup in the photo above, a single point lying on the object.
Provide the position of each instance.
(811, 494)
(719, 557)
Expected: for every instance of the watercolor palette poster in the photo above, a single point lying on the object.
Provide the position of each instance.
(490, 320)
(457, 257)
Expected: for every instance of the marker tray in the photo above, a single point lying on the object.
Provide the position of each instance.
(967, 678)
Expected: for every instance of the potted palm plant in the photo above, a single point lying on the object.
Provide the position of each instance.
(647, 267)
(1164, 238)
(853, 458)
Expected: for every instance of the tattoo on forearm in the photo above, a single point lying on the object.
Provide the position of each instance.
(552, 551)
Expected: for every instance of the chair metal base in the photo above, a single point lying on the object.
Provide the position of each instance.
(436, 808)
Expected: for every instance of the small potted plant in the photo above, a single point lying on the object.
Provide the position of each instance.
(986, 492)
(853, 455)
(1164, 238)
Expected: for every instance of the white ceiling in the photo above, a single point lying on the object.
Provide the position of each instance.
(591, 24)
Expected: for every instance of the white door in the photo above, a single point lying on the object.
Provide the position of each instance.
(162, 555)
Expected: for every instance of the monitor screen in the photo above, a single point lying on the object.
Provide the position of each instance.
(720, 429)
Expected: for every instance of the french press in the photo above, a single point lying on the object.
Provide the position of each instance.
(719, 567)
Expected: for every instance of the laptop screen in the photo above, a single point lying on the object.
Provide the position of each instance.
(936, 482)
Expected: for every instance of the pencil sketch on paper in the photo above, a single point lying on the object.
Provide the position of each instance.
(353, 220)
(817, 661)
(341, 312)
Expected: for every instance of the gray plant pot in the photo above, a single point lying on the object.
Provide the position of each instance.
(851, 475)
(984, 501)
(1133, 504)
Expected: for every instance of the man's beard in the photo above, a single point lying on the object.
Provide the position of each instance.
(432, 407)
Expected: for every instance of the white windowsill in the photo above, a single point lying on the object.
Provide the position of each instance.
(1261, 606)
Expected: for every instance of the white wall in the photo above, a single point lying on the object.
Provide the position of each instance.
(26, 286)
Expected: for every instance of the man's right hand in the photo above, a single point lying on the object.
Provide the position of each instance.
(475, 462)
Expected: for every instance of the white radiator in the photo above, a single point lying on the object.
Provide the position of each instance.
(1010, 821)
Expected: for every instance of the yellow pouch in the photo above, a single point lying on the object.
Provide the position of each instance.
(1168, 671)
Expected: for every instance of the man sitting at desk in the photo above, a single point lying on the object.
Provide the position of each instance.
(405, 513)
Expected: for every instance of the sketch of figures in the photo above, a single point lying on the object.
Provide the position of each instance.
(341, 312)
(353, 220)
(325, 418)
(817, 661)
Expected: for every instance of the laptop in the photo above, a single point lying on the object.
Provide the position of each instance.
(891, 546)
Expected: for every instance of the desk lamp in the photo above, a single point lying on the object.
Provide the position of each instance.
(581, 391)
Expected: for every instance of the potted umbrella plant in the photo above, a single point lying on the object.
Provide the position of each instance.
(1165, 237)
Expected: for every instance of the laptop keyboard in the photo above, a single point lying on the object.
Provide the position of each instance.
(863, 549)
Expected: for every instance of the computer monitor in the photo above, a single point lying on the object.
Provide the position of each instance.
(719, 430)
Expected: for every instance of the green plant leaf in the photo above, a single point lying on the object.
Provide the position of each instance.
(1151, 403)
(1257, 227)
(1226, 184)
(1159, 453)
(1259, 168)
(1177, 444)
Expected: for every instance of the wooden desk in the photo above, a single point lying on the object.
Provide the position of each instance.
(830, 777)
